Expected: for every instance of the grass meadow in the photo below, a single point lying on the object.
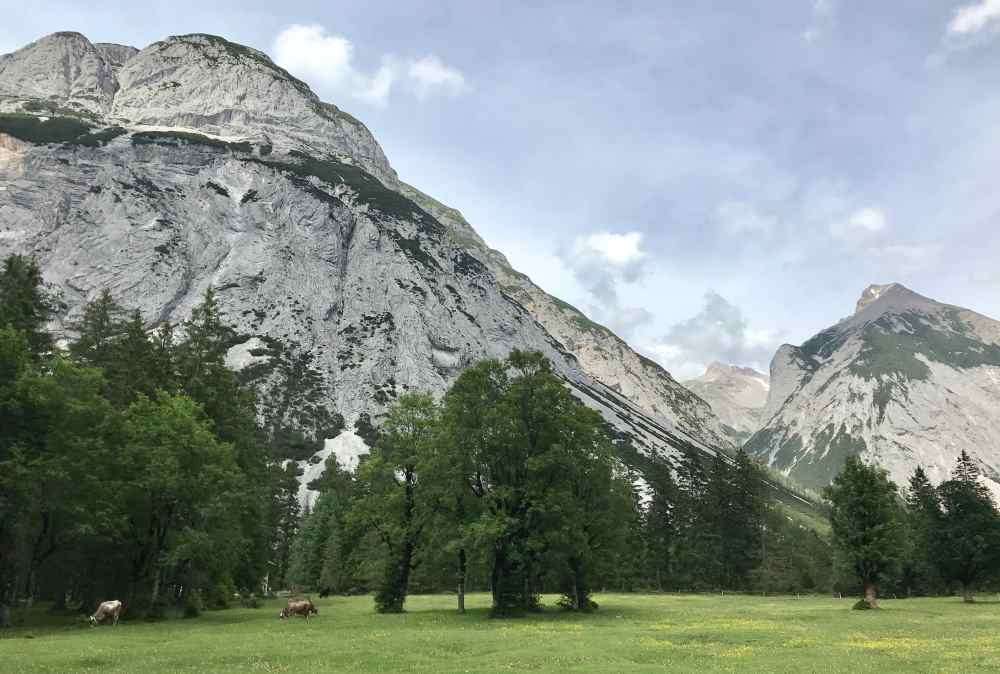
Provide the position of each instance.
(630, 633)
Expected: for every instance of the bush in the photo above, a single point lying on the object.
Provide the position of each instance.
(193, 604)
(862, 605)
(218, 596)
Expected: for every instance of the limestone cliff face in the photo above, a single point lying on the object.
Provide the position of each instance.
(61, 70)
(737, 396)
(198, 163)
(601, 353)
(904, 381)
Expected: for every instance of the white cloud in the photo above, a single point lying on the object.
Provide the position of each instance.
(860, 224)
(326, 62)
(429, 74)
(975, 17)
(601, 262)
(824, 14)
(737, 217)
(620, 250)
(718, 332)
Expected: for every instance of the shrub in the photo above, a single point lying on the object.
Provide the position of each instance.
(193, 604)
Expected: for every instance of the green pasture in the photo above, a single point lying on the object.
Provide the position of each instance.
(629, 633)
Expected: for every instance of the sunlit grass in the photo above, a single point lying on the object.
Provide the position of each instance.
(630, 633)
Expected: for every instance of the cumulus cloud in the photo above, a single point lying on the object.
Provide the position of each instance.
(326, 62)
(974, 17)
(430, 75)
(971, 25)
(860, 224)
(600, 262)
(623, 251)
(737, 217)
(718, 332)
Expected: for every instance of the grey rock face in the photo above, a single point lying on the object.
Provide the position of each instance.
(62, 70)
(116, 54)
(601, 353)
(228, 173)
(737, 396)
(904, 381)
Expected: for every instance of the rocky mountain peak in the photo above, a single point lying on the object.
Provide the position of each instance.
(59, 71)
(208, 84)
(871, 294)
(736, 394)
(877, 300)
(904, 381)
(717, 369)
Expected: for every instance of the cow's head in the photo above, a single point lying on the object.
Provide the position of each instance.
(93, 621)
(283, 614)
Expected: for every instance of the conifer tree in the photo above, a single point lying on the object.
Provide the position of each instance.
(966, 540)
(25, 305)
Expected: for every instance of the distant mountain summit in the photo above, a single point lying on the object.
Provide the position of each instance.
(737, 395)
(198, 163)
(904, 381)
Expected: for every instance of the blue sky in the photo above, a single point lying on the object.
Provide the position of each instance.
(708, 179)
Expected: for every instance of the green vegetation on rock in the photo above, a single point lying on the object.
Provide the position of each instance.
(180, 138)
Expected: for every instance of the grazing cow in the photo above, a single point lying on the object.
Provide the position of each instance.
(108, 609)
(302, 607)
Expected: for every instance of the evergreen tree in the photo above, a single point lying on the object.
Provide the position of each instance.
(743, 523)
(966, 540)
(285, 517)
(305, 563)
(923, 516)
(100, 331)
(866, 522)
(660, 526)
(25, 306)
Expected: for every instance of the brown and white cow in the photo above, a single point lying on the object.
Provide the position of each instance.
(108, 609)
(302, 607)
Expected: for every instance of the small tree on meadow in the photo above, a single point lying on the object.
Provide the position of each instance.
(867, 523)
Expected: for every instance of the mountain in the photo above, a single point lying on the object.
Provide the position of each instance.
(198, 163)
(737, 395)
(904, 381)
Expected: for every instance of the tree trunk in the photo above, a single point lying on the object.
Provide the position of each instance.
(30, 586)
(870, 594)
(461, 580)
(154, 595)
(968, 596)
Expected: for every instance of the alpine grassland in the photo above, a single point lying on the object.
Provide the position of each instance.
(628, 633)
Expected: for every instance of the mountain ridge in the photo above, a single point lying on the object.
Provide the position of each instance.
(325, 263)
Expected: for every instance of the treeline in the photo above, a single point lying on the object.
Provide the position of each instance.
(136, 465)
(926, 540)
(511, 485)
(131, 464)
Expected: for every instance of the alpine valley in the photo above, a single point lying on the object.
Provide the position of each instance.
(197, 163)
